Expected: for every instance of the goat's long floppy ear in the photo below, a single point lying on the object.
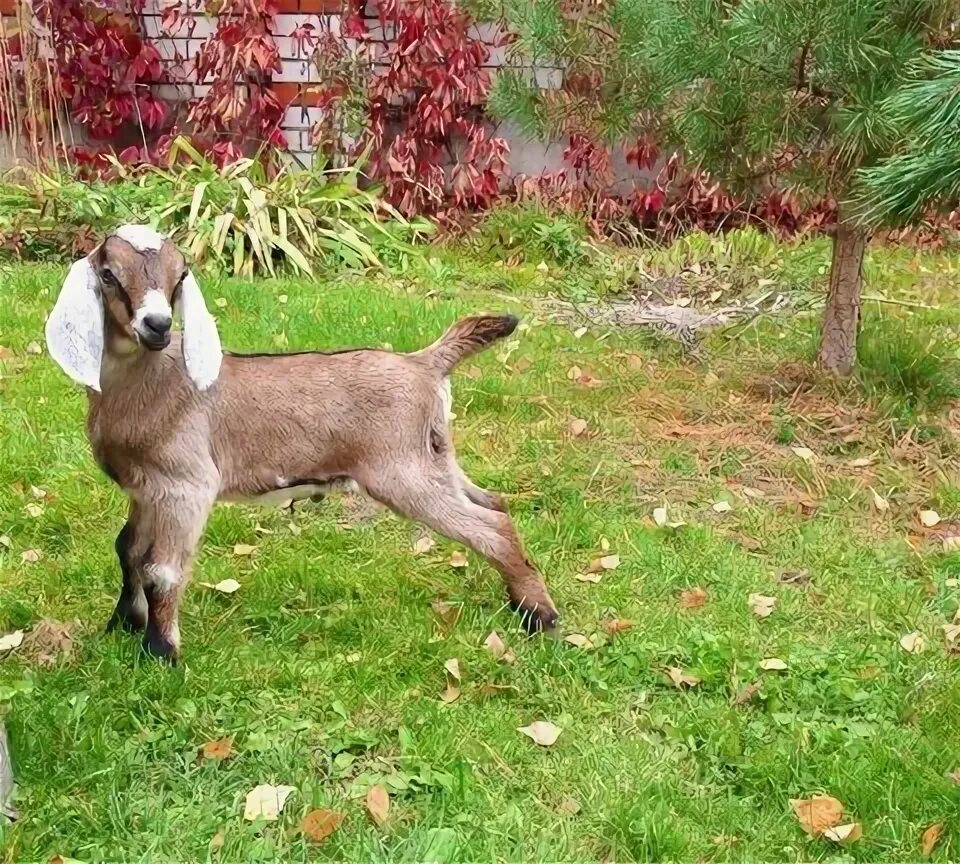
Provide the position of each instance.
(74, 329)
(201, 341)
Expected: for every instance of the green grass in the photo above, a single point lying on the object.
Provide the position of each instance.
(326, 667)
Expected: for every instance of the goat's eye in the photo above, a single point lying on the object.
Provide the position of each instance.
(107, 275)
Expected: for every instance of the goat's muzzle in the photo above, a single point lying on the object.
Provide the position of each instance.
(154, 331)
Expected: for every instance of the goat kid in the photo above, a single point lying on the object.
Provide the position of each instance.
(178, 424)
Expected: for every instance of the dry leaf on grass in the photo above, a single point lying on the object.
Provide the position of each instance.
(458, 560)
(849, 833)
(793, 577)
(34, 510)
(577, 427)
(568, 807)
(929, 838)
(34, 348)
(580, 641)
(221, 748)
(679, 678)
(6, 541)
(423, 545)
(747, 693)
(474, 372)
(452, 667)
(31, 556)
(880, 504)
(448, 613)
(773, 664)
(929, 518)
(12, 640)
(451, 694)
(607, 562)
(951, 632)
(227, 586)
(693, 598)
(266, 802)
(722, 507)
(660, 516)
(913, 643)
(951, 543)
(953, 776)
(594, 577)
(317, 825)
(49, 640)
(495, 645)
(378, 804)
(817, 814)
(542, 732)
(761, 605)
(804, 453)
(860, 462)
(244, 549)
(616, 625)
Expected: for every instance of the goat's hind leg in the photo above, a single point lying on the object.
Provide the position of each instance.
(131, 609)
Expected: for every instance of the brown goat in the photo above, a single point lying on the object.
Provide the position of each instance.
(178, 424)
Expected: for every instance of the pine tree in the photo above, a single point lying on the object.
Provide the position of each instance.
(792, 92)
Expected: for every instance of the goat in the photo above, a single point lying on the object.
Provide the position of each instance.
(178, 423)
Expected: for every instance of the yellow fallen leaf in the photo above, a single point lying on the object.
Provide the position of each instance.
(913, 643)
(660, 516)
(804, 453)
(591, 576)
(450, 694)
(244, 549)
(495, 645)
(38, 493)
(580, 641)
(35, 510)
(951, 632)
(452, 667)
(34, 348)
(693, 598)
(860, 462)
(929, 838)
(6, 541)
(722, 507)
(227, 586)
(577, 426)
(542, 732)
(423, 545)
(317, 825)
(458, 560)
(31, 556)
(616, 625)
(266, 802)
(221, 748)
(761, 605)
(880, 504)
(11, 640)
(773, 664)
(568, 807)
(929, 518)
(951, 543)
(848, 833)
(378, 804)
(679, 678)
(817, 814)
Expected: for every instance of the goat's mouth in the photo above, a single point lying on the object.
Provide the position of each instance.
(154, 342)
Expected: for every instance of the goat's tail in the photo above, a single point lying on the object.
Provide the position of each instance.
(466, 337)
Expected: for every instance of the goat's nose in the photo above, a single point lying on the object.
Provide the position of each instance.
(157, 324)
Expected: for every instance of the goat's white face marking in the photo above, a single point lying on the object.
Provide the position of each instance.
(141, 237)
(162, 577)
(155, 305)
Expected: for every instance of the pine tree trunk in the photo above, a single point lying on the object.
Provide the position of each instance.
(841, 318)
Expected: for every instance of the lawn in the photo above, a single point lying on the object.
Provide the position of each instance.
(327, 667)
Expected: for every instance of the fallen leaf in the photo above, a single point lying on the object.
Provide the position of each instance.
(227, 586)
(580, 332)
(448, 613)
(773, 664)
(452, 667)
(458, 560)
(220, 302)
(750, 492)
(844, 833)
(38, 493)
(951, 543)
(693, 598)
(679, 678)
(5, 353)
(11, 640)
(495, 645)
(221, 748)
(524, 364)
(913, 643)
(577, 426)
(880, 504)
(817, 814)
(591, 576)
(574, 373)
(317, 825)
(266, 802)
(660, 516)
(218, 839)
(378, 804)
(568, 807)
(953, 776)
(423, 545)
(722, 507)
(580, 641)
(761, 605)
(543, 267)
(804, 453)
(542, 732)
(616, 625)
(929, 838)
(261, 530)
(747, 693)
(498, 689)
(636, 363)
(929, 518)
(244, 549)
(34, 348)
(31, 556)
(793, 577)
(450, 694)
(282, 298)
(355, 657)
(951, 632)
(861, 462)
(6, 541)
(474, 372)
(609, 562)
(35, 510)
(48, 641)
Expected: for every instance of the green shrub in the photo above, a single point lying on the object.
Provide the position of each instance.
(533, 234)
(237, 218)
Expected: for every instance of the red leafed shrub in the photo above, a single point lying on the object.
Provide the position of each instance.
(430, 147)
(104, 66)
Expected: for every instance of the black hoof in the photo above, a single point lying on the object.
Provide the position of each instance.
(536, 619)
(160, 647)
(126, 618)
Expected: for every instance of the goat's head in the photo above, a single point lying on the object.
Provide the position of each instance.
(125, 292)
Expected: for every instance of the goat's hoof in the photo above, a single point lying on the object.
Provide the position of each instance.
(125, 620)
(537, 618)
(160, 647)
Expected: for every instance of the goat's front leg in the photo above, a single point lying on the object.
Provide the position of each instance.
(131, 610)
(176, 526)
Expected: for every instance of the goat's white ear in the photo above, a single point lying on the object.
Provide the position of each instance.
(74, 329)
(201, 341)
